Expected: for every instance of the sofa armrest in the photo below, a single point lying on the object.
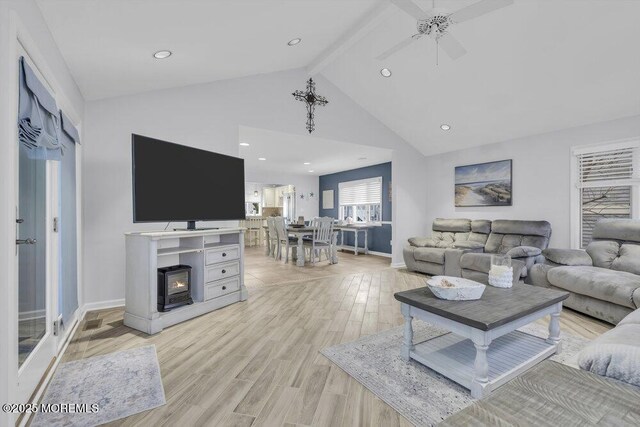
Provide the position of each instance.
(422, 242)
(570, 257)
(614, 354)
(524, 252)
(452, 262)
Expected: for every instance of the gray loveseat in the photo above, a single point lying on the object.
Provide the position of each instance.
(462, 247)
(604, 279)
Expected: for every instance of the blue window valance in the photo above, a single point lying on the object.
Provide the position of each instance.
(68, 129)
(38, 120)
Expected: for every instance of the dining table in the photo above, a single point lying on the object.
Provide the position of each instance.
(300, 232)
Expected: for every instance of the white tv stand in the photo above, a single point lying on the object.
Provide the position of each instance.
(216, 258)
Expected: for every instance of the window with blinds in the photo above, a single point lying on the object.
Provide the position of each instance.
(361, 200)
(607, 181)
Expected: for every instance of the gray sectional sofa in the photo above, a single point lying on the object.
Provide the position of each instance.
(604, 279)
(463, 247)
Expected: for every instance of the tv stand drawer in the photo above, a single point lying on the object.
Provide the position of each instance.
(221, 287)
(221, 254)
(221, 271)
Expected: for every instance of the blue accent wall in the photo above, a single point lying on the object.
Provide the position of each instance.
(379, 237)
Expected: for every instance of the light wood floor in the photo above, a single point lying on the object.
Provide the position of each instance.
(258, 363)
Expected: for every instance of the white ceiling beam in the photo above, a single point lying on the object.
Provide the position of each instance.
(351, 37)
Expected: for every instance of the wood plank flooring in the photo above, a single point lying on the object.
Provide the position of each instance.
(257, 363)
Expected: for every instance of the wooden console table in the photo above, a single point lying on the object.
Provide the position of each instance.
(355, 229)
(216, 258)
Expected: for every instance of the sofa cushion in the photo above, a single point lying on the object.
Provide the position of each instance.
(568, 256)
(531, 228)
(628, 258)
(502, 243)
(433, 255)
(614, 354)
(451, 224)
(617, 287)
(481, 226)
(603, 252)
(524, 252)
(617, 229)
(422, 242)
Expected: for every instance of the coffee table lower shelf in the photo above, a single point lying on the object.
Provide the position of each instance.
(508, 356)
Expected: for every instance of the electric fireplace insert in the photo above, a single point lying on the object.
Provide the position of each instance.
(174, 287)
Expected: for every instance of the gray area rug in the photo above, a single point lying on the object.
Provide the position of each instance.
(121, 384)
(421, 395)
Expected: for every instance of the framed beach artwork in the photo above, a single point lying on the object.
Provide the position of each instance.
(483, 184)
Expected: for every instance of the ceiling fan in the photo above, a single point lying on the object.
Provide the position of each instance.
(437, 21)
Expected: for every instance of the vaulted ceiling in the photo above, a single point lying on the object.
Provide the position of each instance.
(532, 67)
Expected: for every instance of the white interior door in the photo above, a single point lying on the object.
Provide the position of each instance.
(37, 266)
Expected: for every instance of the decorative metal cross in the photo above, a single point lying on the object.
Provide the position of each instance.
(311, 99)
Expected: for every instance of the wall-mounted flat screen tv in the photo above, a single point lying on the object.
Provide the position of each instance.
(173, 182)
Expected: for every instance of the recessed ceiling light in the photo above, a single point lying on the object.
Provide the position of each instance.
(445, 126)
(261, 158)
(294, 41)
(162, 54)
(306, 163)
(362, 158)
(244, 144)
(311, 170)
(385, 72)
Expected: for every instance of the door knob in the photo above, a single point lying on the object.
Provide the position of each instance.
(28, 241)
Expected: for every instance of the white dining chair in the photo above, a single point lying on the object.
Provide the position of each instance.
(273, 236)
(321, 239)
(284, 240)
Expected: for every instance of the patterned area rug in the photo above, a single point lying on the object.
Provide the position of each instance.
(116, 384)
(421, 395)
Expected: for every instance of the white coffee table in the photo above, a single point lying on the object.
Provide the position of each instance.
(483, 349)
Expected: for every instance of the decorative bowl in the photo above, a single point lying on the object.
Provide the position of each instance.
(455, 288)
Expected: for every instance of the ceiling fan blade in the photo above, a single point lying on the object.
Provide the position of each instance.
(477, 9)
(404, 43)
(411, 8)
(451, 46)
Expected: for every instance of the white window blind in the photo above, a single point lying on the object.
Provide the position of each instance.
(360, 192)
(611, 167)
(606, 181)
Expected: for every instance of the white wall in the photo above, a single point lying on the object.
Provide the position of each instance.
(541, 175)
(21, 19)
(209, 116)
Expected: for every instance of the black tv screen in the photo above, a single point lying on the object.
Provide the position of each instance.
(173, 182)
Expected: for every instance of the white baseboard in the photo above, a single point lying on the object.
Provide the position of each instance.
(101, 305)
(398, 265)
(379, 254)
